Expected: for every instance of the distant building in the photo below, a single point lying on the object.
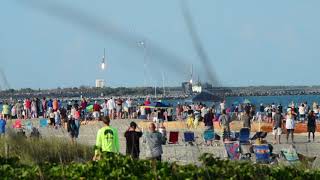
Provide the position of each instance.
(100, 83)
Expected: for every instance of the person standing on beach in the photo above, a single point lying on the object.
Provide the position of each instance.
(311, 125)
(111, 106)
(132, 135)
(148, 110)
(154, 141)
(6, 110)
(44, 107)
(246, 119)
(277, 126)
(208, 119)
(290, 125)
(107, 140)
(129, 103)
(224, 121)
(302, 111)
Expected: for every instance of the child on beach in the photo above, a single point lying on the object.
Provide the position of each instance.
(57, 119)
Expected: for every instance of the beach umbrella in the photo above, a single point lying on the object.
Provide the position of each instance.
(89, 108)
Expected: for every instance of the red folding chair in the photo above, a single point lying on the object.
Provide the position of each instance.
(17, 124)
(173, 137)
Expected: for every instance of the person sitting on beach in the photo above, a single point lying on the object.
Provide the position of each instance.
(132, 135)
(107, 140)
(51, 118)
(311, 125)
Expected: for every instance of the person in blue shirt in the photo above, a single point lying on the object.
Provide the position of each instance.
(2, 126)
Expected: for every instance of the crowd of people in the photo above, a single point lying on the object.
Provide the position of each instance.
(71, 114)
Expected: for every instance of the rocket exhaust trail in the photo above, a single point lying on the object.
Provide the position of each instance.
(203, 56)
(165, 58)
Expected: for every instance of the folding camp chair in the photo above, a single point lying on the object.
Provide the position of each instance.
(173, 137)
(189, 137)
(262, 153)
(290, 155)
(233, 150)
(27, 125)
(259, 135)
(17, 124)
(43, 123)
(244, 136)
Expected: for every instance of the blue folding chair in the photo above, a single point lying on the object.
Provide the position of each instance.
(189, 137)
(244, 136)
(27, 125)
(43, 123)
(262, 153)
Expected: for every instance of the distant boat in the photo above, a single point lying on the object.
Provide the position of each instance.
(206, 96)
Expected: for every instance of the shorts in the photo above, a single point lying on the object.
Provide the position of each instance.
(130, 110)
(119, 109)
(302, 116)
(96, 114)
(148, 111)
(290, 131)
(311, 129)
(277, 131)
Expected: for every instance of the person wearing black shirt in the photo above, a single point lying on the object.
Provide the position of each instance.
(311, 125)
(132, 135)
(208, 119)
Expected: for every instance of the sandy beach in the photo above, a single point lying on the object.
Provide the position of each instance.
(181, 152)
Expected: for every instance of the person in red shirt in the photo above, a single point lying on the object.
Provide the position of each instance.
(148, 110)
(28, 108)
(96, 110)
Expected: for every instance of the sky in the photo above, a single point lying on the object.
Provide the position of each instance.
(49, 44)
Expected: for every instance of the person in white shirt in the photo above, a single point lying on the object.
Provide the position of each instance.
(222, 106)
(111, 106)
(290, 125)
(302, 111)
(130, 108)
(104, 107)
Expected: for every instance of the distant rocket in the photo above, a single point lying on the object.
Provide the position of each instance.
(103, 63)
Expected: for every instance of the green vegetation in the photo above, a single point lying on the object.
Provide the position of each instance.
(122, 167)
(38, 151)
(57, 159)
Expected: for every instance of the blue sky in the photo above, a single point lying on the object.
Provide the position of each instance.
(248, 42)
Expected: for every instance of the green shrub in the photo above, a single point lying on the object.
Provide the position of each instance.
(122, 167)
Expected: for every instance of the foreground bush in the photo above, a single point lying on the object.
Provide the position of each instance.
(38, 151)
(122, 167)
